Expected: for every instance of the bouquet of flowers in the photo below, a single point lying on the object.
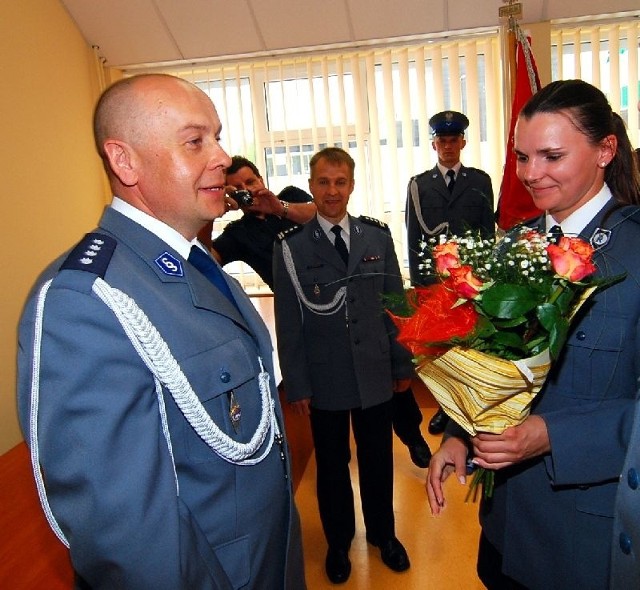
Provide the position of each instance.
(484, 334)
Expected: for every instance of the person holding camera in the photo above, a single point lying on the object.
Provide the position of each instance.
(250, 239)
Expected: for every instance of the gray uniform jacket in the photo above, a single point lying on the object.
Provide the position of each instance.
(131, 520)
(347, 359)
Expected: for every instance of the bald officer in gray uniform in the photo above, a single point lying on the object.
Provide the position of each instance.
(145, 391)
(448, 199)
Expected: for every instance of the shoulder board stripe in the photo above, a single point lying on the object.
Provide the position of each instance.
(93, 254)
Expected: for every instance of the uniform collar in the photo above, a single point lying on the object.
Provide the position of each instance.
(579, 219)
(444, 169)
(326, 225)
(160, 229)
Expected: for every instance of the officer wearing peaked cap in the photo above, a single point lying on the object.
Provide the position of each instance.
(447, 199)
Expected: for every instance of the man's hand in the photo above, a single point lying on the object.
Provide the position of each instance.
(518, 443)
(449, 458)
(230, 204)
(265, 203)
(401, 385)
(301, 406)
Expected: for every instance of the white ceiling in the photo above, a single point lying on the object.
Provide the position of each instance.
(134, 32)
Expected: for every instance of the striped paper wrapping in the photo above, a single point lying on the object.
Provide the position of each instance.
(481, 392)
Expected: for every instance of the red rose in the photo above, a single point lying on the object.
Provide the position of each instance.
(464, 282)
(571, 258)
(446, 257)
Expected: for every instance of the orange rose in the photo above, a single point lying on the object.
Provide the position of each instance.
(571, 258)
(464, 282)
(446, 256)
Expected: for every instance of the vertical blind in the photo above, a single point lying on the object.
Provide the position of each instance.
(606, 55)
(376, 103)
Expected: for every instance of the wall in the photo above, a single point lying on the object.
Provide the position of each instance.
(53, 187)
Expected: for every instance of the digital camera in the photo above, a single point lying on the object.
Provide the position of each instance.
(242, 197)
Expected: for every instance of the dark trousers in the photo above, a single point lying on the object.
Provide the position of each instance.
(490, 568)
(373, 436)
(406, 417)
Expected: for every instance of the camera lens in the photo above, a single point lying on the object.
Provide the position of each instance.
(244, 198)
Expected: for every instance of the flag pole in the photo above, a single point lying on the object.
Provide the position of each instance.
(511, 12)
(514, 202)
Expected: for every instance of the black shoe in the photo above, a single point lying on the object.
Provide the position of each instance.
(438, 423)
(393, 554)
(420, 453)
(337, 566)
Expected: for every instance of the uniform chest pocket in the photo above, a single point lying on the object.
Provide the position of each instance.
(220, 369)
(222, 377)
(593, 354)
(320, 283)
(372, 266)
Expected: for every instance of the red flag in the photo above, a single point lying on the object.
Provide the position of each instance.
(515, 203)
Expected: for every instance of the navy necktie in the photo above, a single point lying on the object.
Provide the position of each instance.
(208, 267)
(452, 180)
(555, 233)
(340, 245)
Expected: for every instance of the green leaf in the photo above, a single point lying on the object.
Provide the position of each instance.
(567, 298)
(508, 339)
(557, 337)
(604, 282)
(549, 315)
(484, 328)
(508, 301)
(519, 321)
(397, 303)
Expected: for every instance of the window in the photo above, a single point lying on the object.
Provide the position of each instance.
(607, 56)
(376, 103)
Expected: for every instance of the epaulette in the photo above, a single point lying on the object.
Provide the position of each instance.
(416, 176)
(630, 213)
(93, 254)
(287, 233)
(375, 222)
(479, 170)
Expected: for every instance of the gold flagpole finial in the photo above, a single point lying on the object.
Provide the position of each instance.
(512, 12)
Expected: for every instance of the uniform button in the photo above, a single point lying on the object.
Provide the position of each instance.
(633, 479)
(625, 543)
(354, 320)
(580, 335)
(356, 341)
(225, 376)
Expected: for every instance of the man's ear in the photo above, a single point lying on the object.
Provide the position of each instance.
(122, 159)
